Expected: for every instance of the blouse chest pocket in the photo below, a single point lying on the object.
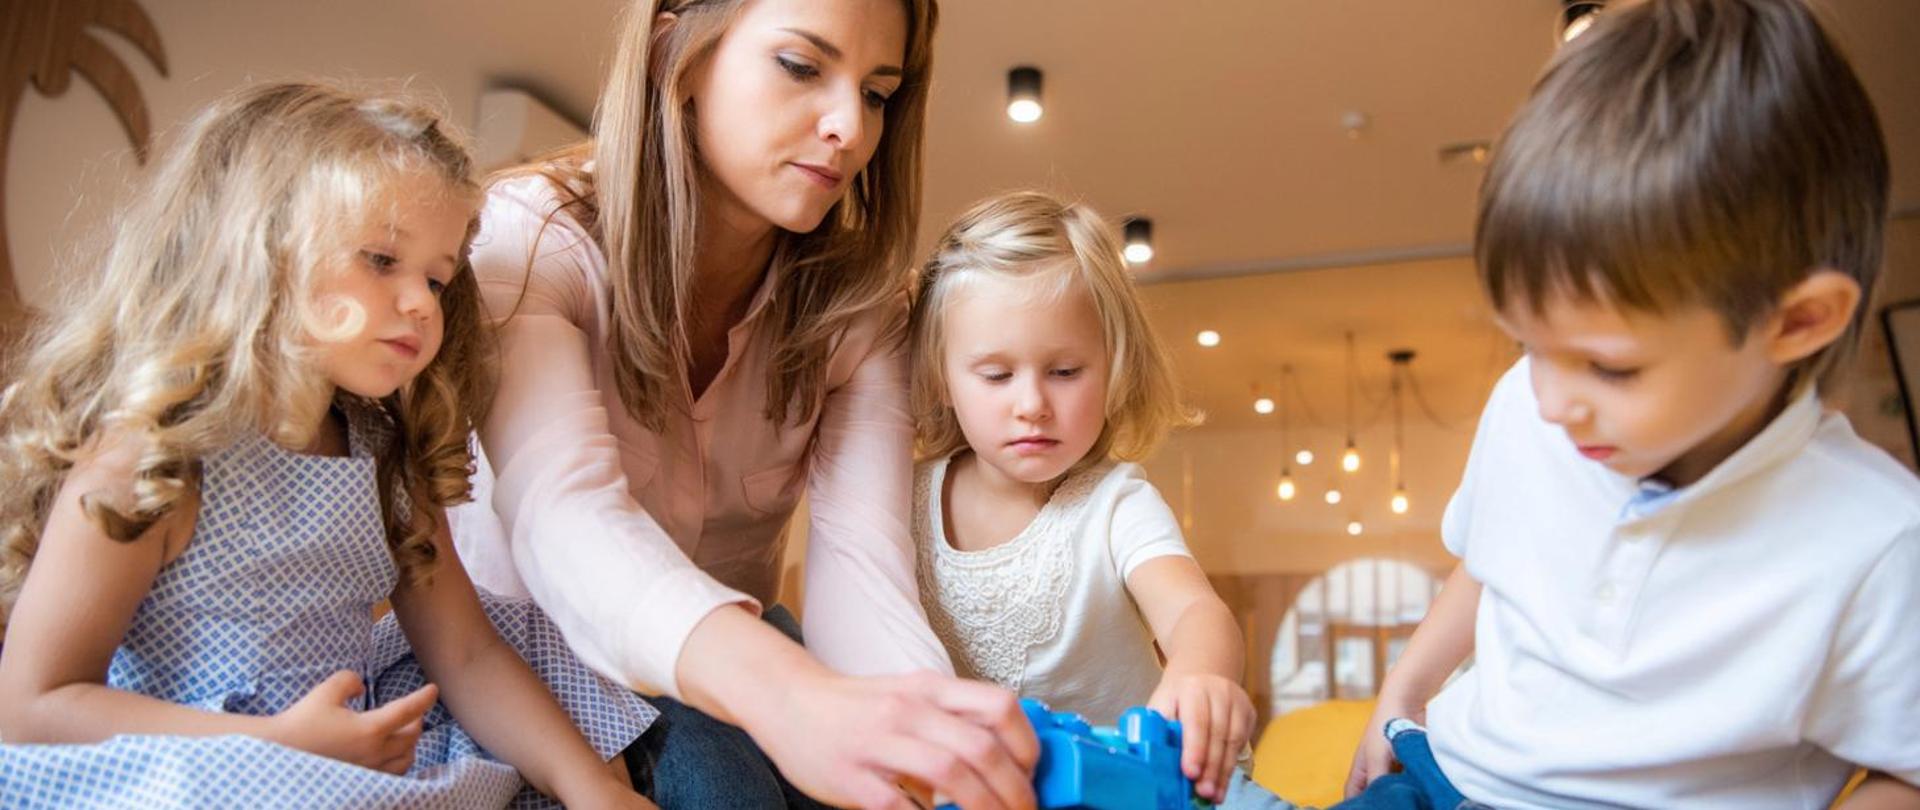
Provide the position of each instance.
(775, 490)
(639, 467)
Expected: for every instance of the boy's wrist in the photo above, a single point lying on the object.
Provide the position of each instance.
(1399, 698)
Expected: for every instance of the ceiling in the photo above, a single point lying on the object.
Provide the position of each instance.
(1223, 120)
(1220, 120)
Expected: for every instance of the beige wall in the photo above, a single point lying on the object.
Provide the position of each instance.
(69, 163)
(1873, 401)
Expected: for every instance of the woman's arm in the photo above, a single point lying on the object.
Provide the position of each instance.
(632, 605)
(1205, 661)
(1439, 645)
(493, 694)
(863, 614)
(609, 576)
(854, 741)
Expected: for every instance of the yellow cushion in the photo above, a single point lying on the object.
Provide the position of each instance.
(1303, 755)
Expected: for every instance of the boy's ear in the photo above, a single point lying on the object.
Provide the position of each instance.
(1812, 315)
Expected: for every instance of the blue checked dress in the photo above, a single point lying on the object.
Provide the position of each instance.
(274, 594)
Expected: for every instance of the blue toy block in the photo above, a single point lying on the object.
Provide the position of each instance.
(1132, 766)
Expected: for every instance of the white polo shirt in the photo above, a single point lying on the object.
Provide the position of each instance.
(1742, 643)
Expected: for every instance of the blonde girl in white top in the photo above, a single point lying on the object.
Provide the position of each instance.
(1047, 564)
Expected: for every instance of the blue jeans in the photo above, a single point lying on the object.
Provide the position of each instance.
(1418, 786)
(689, 760)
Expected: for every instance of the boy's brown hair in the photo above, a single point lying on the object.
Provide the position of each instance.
(1689, 152)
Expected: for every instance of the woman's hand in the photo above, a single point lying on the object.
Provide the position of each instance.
(1216, 718)
(382, 738)
(863, 742)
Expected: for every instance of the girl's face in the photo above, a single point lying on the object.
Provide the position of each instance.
(402, 260)
(1026, 375)
(790, 106)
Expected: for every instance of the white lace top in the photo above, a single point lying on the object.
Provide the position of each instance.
(1047, 614)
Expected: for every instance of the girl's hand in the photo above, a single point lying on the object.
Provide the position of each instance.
(1216, 718)
(1374, 758)
(856, 741)
(382, 739)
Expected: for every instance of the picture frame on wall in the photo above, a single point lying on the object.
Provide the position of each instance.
(1901, 321)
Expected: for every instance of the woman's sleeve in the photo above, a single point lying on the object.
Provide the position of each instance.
(624, 596)
(863, 613)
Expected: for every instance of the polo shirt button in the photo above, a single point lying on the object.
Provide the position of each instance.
(1606, 593)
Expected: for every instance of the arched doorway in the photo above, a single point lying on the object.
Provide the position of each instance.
(1345, 629)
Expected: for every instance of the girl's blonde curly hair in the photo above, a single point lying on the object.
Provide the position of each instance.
(201, 324)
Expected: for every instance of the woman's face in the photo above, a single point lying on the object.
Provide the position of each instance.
(790, 106)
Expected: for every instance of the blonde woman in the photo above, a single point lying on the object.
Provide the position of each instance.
(236, 443)
(702, 317)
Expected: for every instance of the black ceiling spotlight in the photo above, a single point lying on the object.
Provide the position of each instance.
(1576, 16)
(1023, 94)
(1139, 240)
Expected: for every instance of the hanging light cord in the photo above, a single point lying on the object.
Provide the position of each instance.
(1352, 371)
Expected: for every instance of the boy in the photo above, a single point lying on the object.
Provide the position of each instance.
(1683, 583)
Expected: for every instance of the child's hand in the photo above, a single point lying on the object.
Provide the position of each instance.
(1374, 758)
(1216, 717)
(382, 739)
(610, 794)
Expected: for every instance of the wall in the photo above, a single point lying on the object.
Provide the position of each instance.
(69, 163)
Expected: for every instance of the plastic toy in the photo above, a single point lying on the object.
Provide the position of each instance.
(1132, 766)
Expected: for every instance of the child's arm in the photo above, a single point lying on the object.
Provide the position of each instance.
(78, 600)
(1883, 792)
(494, 695)
(1442, 641)
(1205, 660)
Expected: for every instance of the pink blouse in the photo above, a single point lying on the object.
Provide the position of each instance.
(629, 537)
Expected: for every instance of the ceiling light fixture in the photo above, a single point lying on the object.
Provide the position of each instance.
(1023, 94)
(1576, 16)
(1402, 360)
(1139, 239)
(1350, 460)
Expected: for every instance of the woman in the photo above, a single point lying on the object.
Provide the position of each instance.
(701, 315)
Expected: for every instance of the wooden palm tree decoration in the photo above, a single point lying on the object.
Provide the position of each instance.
(44, 42)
